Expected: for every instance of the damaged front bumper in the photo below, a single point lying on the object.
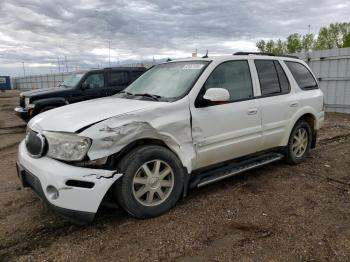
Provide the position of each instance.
(74, 192)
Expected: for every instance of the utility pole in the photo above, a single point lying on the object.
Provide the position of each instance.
(65, 58)
(109, 53)
(309, 29)
(59, 66)
(24, 70)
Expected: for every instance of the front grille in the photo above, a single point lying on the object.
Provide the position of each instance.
(35, 143)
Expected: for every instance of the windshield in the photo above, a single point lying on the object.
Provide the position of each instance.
(72, 81)
(168, 81)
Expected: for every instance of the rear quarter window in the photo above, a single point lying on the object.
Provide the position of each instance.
(302, 75)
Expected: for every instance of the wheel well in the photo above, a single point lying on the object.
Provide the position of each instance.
(310, 119)
(148, 141)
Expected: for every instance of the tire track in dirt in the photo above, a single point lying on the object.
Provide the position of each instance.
(232, 235)
(12, 129)
(40, 237)
(326, 141)
(7, 147)
(46, 234)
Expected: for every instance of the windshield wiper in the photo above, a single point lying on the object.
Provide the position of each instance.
(125, 92)
(154, 97)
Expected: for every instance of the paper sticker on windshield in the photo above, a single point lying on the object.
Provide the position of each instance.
(193, 66)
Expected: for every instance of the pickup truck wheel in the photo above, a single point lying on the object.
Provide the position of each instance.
(152, 182)
(299, 143)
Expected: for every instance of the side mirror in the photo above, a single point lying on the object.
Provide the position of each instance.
(217, 95)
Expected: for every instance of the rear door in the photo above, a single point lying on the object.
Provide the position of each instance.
(117, 80)
(278, 102)
(223, 131)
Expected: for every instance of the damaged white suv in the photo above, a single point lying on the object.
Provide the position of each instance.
(182, 124)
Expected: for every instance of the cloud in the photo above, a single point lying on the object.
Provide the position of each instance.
(41, 32)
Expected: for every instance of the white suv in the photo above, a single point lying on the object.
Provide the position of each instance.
(182, 124)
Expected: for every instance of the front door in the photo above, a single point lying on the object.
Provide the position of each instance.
(232, 129)
(92, 86)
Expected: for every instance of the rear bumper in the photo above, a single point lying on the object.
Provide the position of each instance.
(77, 203)
(22, 113)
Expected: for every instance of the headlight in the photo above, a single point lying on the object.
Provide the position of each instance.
(67, 146)
(26, 102)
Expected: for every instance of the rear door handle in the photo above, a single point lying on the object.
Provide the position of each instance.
(252, 111)
(294, 104)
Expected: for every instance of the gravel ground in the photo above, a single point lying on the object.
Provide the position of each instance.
(274, 213)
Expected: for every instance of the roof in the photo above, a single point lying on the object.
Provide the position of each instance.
(237, 57)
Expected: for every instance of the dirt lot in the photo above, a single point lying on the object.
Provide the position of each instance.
(275, 213)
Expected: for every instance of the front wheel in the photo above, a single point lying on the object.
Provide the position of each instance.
(299, 143)
(152, 181)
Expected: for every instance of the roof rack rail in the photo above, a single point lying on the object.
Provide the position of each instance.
(267, 54)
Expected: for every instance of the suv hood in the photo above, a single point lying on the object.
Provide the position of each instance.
(74, 117)
(44, 91)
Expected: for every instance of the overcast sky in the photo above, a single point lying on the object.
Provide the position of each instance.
(38, 32)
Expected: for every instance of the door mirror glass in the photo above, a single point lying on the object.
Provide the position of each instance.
(217, 95)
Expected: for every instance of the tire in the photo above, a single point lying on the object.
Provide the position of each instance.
(142, 191)
(297, 154)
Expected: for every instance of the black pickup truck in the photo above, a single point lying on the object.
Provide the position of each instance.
(78, 87)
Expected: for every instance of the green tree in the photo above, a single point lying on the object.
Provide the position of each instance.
(332, 36)
(269, 47)
(261, 45)
(324, 40)
(279, 47)
(346, 40)
(294, 44)
(336, 35)
(308, 42)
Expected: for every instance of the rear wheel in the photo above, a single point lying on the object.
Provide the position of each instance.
(299, 143)
(152, 181)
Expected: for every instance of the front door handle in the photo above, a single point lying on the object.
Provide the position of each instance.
(252, 111)
(294, 104)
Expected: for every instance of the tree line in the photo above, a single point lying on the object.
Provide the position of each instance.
(336, 35)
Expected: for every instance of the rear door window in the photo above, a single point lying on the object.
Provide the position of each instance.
(302, 75)
(273, 80)
(118, 78)
(284, 83)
